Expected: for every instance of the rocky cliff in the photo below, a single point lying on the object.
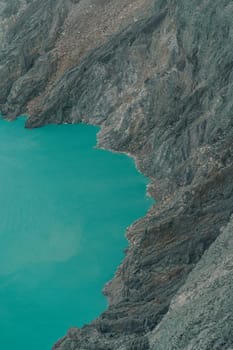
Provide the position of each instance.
(200, 316)
(157, 77)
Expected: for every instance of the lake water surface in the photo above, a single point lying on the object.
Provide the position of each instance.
(64, 208)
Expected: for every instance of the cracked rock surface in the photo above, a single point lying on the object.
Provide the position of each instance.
(200, 316)
(157, 76)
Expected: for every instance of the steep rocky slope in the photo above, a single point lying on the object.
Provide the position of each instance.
(159, 81)
(42, 39)
(200, 316)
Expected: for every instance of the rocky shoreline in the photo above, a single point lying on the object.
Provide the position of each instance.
(161, 88)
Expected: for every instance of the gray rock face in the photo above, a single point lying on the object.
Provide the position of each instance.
(41, 39)
(200, 316)
(27, 61)
(160, 85)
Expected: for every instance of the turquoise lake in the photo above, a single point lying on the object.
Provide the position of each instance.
(64, 209)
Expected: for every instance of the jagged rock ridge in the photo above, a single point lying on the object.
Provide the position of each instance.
(161, 89)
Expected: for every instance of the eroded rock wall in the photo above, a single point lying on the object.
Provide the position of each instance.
(200, 316)
(160, 85)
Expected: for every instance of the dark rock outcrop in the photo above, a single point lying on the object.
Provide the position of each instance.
(162, 90)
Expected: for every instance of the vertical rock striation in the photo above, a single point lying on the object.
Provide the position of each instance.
(200, 316)
(160, 85)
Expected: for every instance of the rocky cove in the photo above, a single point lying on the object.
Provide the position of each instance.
(157, 77)
(61, 239)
